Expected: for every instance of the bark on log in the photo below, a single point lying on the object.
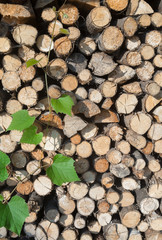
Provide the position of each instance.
(76, 62)
(81, 165)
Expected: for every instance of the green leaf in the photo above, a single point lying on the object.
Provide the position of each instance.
(54, 8)
(31, 62)
(63, 104)
(4, 161)
(21, 120)
(1, 198)
(62, 170)
(65, 15)
(31, 136)
(64, 31)
(13, 214)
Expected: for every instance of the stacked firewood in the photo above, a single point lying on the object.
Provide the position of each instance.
(111, 65)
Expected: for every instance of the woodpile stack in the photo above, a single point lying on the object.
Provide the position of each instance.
(111, 65)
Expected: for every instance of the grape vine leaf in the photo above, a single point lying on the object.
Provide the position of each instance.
(4, 161)
(64, 31)
(31, 136)
(63, 104)
(21, 120)
(62, 170)
(32, 62)
(1, 198)
(13, 214)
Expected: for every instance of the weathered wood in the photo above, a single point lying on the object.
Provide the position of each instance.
(126, 217)
(94, 227)
(30, 229)
(69, 82)
(84, 149)
(11, 62)
(135, 139)
(76, 62)
(57, 68)
(116, 5)
(157, 61)
(81, 165)
(106, 116)
(81, 93)
(79, 222)
(115, 230)
(74, 33)
(51, 140)
(129, 183)
(54, 28)
(51, 212)
(132, 43)
(101, 145)
(25, 188)
(5, 45)
(11, 81)
(6, 144)
(95, 95)
(150, 87)
(71, 11)
(143, 8)
(85, 206)
(46, 229)
(44, 43)
(87, 107)
(126, 103)
(96, 192)
(128, 25)
(127, 199)
(19, 159)
(27, 96)
(123, 146)
(66, 220)
(114, 156)
(131, 58)
(48, 14)
(26, 53)
(87, 46)
(86, 236)
(97, 19)
(63, 47)
(144, 20)
(147, 51)
(42, 185)
(153, 38)
(26, 74)
(89, 176)
(101, 164)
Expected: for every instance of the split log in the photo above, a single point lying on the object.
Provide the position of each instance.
(94, 227)
(69, 82)
(87, 107)
(74, 34)
(51, 140)
(37, 154)
(25, 34)
(84, 76)
(115, 230)
(46, 229)
(127, 199)
(85, 206)
(126, 103)
(42, 185)
(155, 132)
(87, 46)
(114, 156)
(19, 159)
(116, 5)
(84, 149)
(133, 88)
(72, 125)
(132, 43)
(114, 131)
(71, 12)
(63, 47)
(144, 20)
(48, 14)
(11, 63)
(106, 116)
(11, 81)
(57, 68)
(155, 188)
(51, 119)
(143, 8)
(26, 53)
(66, 220)
(97, 19)
(101, 63)
(126, 217)
(81, 93)
(44, 43)
(148, 148)
(96, 192)
(26, 74)
(81, 165)
(76, 62)
(101, 145)
(79, 222)
(110, 39)
(5, 45)
(27, 96)
(54, 28)
(89, 176)
(101, 164)
(149, 102)
(5, 121)
(107, 104)
(153, 38)
(89, 132)
(128, 25)
(147, 52)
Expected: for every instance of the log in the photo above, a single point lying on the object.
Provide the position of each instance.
(25, 34)
(126, 216)
(121, 74)
(54, 28)
(135, 234)
(74, 33)
(48, 15)
(95, 95)
(81, 165)
(51, 119)
(44, 43)
(127, 199)
(19, 159)
(69, 83)
(69, 149)
(66, 205)
(25, 188)
(87, 107)
(51, 140)
(38, 84)
(101, 164)
(76, 62)
(68, 234)
(114, 156)
(116, 5)
(132, 43)
(79, 221)
(77, 190)
(107, 104)
(110, 39)
(3, 232)
(30, 229)
(123, 146)
(5, 45)
(85, 206)
(86, 6)
(151, 88)
(42, 185)
(66, 220)
(126, 103)
(143, 8)
(115, 230)
(89, 176)
(94, 227)
(51, 212)
(157, 148)
(155, 221)
(133, 88)
(155, 132)
(129, 183)
(135, 139)
(97, 19)
(157, 61)
(112, 196)
(143, 226)
(76, 139)
(101, 64)
(84, 76)
(26, 147)
(151, 234)
(11, 62)
(149, 102)
(81, 93)
(147, 52)
(33, 167)
(6, 144)
(104, 218)
(144, 20)
(63, 47)
(128, 26)
(145, 71)
(84, 149)
(37, 154)
(87, 45)
(108, 89)
(72, 125)
(153, 38)
(54, 91)
(43, 60)
(119, 170)
(114, 131)
(103, 206)
(26, 53)
(101, 145)
(57, 68)
(27, 96)
(96, 192)
(46, 229)
(27, 74)
(131, 58)
(71, 12)
(5, 121)
(86, 236)
(11, 81)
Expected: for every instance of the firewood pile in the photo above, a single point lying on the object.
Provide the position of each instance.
(111, 65)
